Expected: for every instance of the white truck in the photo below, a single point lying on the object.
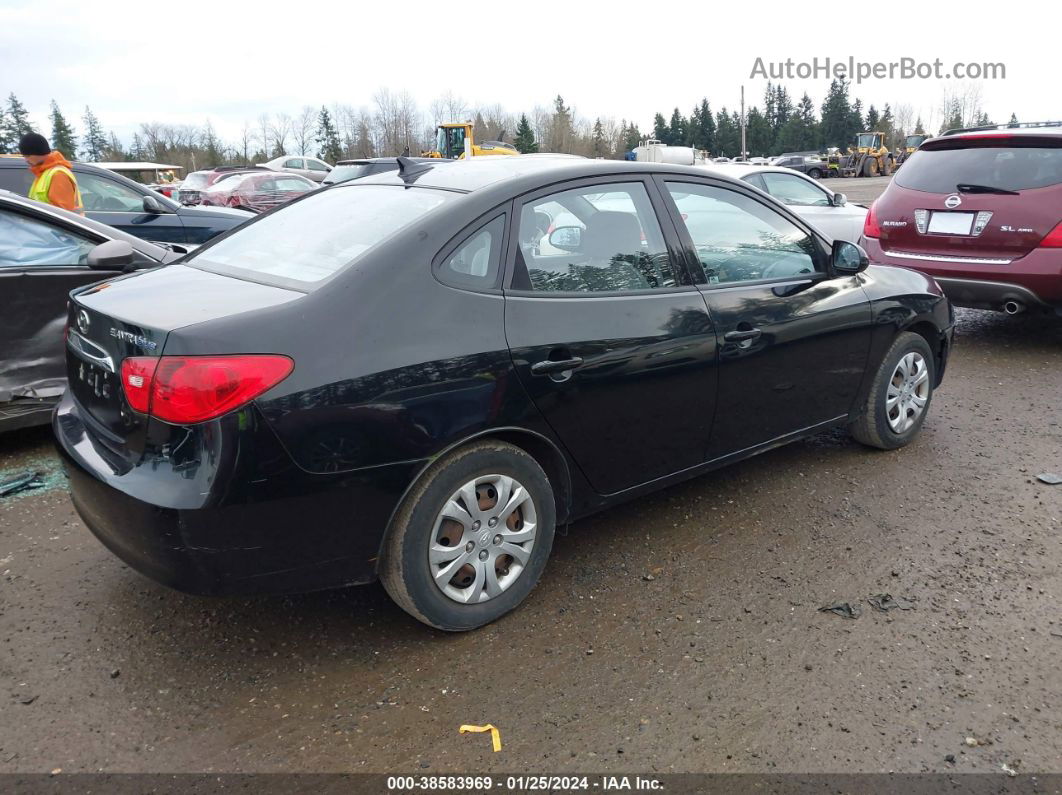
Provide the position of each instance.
(653, 151)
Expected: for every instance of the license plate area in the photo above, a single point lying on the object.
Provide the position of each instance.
(943, 223)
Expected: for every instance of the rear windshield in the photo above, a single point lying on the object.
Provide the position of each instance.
(310, 240)
(197, 179)
(1006, 167)
(344, 173)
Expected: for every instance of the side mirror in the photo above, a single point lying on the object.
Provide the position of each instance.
(848, 259)
(114, 255)
(152, 205)
(839, 200)
(566, 238)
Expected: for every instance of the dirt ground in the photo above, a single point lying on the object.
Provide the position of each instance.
(680, 632)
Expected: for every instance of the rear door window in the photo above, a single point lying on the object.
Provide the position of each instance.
(1005, 167)
(317, 237)
(100, 194)
(294, 163)
(793, 190)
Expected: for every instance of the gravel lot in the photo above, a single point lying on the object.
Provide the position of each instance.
(680, 632)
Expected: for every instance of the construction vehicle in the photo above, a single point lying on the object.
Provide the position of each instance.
(454, 142)
(869, 157)
(910, 144)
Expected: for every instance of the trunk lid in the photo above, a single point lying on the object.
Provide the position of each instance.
(987, 197)
(133, 316)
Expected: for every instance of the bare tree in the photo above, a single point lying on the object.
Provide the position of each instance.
(246, 139)
(448, 108)
(262, 135)
(279, 132)
(302, 129)
(398, 120)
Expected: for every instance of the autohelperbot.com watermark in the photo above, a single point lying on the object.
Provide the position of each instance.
(859, 71)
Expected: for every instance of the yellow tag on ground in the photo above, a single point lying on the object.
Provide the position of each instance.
(495, 735)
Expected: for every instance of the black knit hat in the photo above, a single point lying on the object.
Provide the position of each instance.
(33, 144)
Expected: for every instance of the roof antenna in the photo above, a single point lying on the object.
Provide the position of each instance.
(409, 170)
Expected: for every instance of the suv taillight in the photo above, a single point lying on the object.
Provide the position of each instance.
(1053, 238)
(190, 389)
(871, 228)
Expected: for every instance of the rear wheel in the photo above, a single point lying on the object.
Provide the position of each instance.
(472, 538)
(870, 168)
(814, 173)
(899, 396)
(888, 167)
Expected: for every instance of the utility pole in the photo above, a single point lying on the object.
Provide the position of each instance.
(744, 154)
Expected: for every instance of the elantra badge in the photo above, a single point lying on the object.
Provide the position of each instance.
(953, 201)
(83, 321)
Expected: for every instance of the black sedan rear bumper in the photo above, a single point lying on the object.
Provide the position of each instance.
(284, 533)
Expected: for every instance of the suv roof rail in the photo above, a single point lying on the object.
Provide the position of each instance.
(238, 168)
(1017, 125)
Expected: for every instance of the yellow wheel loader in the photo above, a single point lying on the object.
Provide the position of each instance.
(870, 157)
(454, 142)
(910, 144)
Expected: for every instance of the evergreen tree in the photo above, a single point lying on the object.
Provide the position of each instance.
(562, 130)
(919, 129)
(727, 134)
(758, 134)
(136, 150)
(363, 145)
(888, 124)
(1013, 117)
(707, 127)
(632, 137)
(677, 128)
(599, 146)
(94, 141)
(525, 137)
(873, 119)
(63, 137)
(693, 129)
(327, 138)
(661, 131)
(16, 121)
(856, 124)
(837, 122)
(7, 144)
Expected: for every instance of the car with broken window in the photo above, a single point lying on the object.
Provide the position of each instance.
(409, 377)
(45, 252)
(980, 210)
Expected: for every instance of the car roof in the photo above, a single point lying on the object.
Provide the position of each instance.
(467, 176)
(364, 161)
(10, 200)
(738, 171)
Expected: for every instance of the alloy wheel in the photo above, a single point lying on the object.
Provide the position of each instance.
(482, 539)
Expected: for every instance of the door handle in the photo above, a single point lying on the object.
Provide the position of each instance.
(744, 335)
(551, 366)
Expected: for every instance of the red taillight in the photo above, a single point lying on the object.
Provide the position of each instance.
(189, 389)
(871, 227)
(1054, 238)
(137, 372)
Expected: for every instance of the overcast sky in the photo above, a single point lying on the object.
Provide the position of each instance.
(186, 61)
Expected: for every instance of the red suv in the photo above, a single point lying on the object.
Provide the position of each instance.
(980, 210)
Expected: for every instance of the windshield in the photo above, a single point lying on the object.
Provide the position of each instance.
(450, 141)
(344, 173)
(1008, 168)
(315, 238)
(866, 140)
(915, 140)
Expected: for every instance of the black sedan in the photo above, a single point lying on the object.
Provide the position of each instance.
(133, 208)
(45, 253)
(417, 376)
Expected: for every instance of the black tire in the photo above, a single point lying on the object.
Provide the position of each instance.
(815, 173)
(870, 167)
(888, 168)
(404, 568)
(872, 426)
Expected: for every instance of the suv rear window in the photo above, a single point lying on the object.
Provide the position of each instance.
(313, 239)
(1006, 167)
(196, 180)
